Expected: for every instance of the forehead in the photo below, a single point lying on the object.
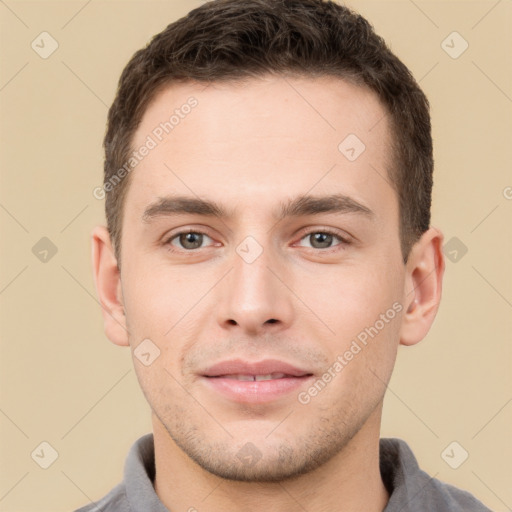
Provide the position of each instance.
(267, 138)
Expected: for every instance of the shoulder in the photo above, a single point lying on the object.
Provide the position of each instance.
(447, 497)
(135, 492)
(413, 490)
(114, 501)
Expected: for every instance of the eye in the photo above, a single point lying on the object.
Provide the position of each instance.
(188, 240)
(323, 239)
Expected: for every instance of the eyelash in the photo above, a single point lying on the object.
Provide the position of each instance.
(326, 231)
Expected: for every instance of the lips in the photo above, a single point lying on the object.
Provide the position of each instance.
(268, 367)
(258, 382)
(270, 376)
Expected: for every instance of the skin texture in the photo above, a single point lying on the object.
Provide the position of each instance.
(250, 148)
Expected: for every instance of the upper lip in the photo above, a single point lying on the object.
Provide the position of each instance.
(265, 367)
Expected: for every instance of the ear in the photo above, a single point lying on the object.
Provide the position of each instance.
(107, 279)
(423, 286)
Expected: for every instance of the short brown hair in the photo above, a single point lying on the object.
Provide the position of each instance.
(229, 40)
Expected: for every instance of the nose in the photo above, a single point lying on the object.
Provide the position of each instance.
(256, 295)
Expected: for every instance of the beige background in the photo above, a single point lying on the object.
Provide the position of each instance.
(63, 382)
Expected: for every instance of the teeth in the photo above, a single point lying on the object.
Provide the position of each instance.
(270, 376)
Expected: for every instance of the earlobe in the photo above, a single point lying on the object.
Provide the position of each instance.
(423, 286)
(107, 280)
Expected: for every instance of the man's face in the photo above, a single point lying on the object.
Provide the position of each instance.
(252, 286)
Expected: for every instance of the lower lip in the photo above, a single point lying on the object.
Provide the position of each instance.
(256, 391)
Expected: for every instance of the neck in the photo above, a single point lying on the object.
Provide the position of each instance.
(349, 481)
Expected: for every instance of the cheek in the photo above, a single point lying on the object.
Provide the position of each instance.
(361, 361)
(349, 299)
(160, 298)
(162, 307)
(362, 306)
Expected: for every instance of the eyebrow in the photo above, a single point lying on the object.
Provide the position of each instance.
(300, 206)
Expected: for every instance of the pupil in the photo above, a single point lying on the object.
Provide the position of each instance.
(189, 239)
(322, 238)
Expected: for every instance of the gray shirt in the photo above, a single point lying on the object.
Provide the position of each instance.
(410, 488)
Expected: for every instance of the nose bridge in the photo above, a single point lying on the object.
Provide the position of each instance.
(253, 296)
(251, 274)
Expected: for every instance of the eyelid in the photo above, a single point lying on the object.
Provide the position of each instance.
(342, 235)
(169, 237)
(345, 238)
